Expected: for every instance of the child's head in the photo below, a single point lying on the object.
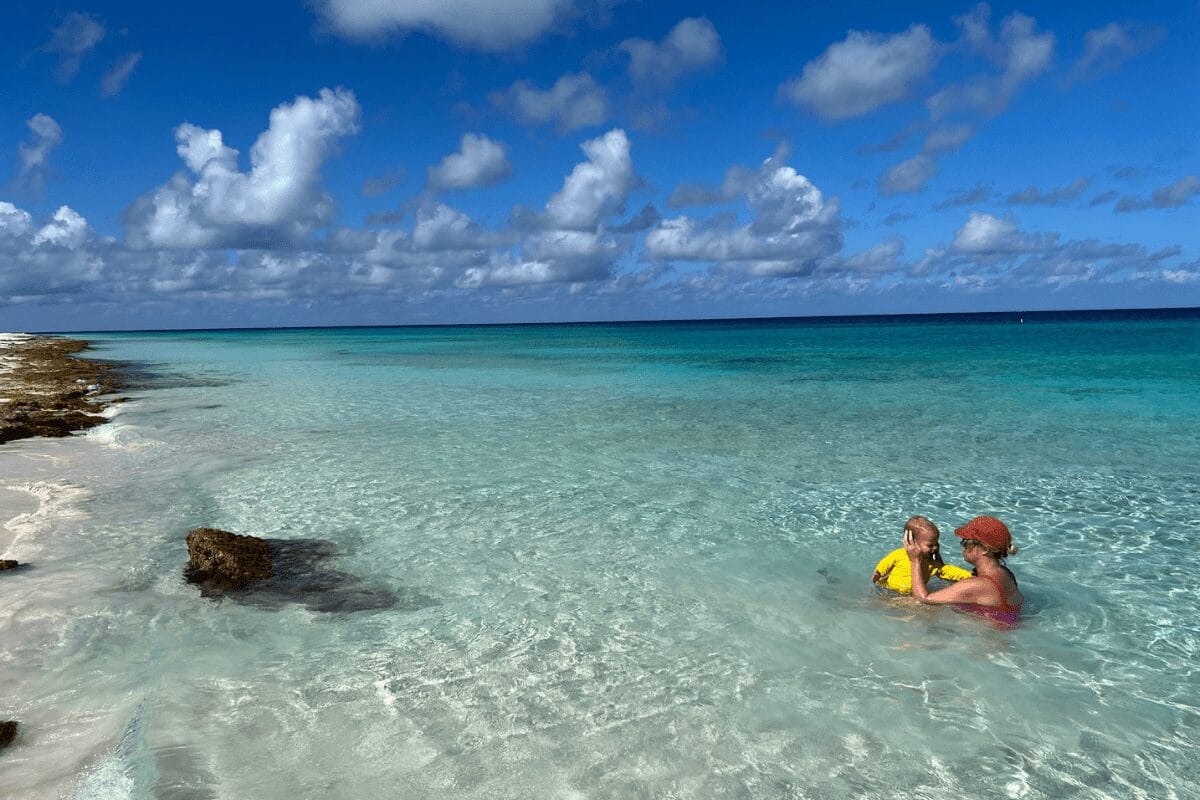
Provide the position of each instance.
(924, 533)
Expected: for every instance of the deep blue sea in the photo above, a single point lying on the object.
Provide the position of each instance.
(616, 561)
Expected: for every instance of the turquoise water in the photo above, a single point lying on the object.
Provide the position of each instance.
(625, 561)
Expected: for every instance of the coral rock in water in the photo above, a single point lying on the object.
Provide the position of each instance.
(220, 560)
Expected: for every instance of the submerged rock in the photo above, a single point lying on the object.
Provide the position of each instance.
(219, 560)
(294, 571)
(8, 732)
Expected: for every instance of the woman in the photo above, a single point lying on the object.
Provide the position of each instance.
(992, 591)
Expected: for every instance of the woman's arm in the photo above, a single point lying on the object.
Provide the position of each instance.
(971, 590)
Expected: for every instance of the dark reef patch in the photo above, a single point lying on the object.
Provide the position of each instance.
(49, 391)
(8, 732)
(297, 571)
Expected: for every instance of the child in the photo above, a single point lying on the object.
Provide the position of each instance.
(894, 571)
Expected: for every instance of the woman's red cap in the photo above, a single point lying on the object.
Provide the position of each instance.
(989, 530)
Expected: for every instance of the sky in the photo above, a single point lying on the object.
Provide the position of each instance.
(375, 162)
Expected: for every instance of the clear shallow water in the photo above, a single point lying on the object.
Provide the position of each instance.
(631, 561)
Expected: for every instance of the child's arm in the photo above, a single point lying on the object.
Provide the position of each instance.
(949, 572)
(883, 568)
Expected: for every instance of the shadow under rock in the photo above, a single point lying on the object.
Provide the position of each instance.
(300, 574)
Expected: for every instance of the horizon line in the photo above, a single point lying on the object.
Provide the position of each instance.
(1194, 310)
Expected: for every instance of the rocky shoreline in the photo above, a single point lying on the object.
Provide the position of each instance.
(45, 390)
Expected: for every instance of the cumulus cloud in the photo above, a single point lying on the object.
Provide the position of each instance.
(692, 45)
(880, 259)
(1177, 194)
(1032, 196)
(118, 74)
(989, 253)
(794, 228)
(597, 187)
(72, 41)
(1106, 49)
(864, 72)
(908, 176)
(278, 202)
(34, 155)
(569, 242)
(574, 101)
(440, 228)
(50, 258)
(14, 222)
(480, 24)
(479, 161)
(984, 235)
(1103, 197)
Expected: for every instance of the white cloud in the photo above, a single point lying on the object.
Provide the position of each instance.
(482, 24)
(1106, 49)
(479, 161)
(908, 176)
(555, 256)
(278, 202)
(569, 242)
(793, 229)
(692, 44)
(35, 154)
(575, 101)
(118, 75)
(985, 235)
(54, 258)
(72, 41)
(440, 228)
(597, 187)
(66, 229)
(877, 260)
(14, 222)
(864, 72)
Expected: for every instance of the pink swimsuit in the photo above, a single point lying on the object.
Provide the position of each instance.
(1004, 616)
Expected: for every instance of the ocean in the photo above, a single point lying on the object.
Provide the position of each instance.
(615, 561)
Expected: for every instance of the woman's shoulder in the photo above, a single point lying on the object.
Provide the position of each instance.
(1005, 583)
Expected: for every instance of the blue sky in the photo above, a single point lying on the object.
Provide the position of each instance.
(383, 161)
